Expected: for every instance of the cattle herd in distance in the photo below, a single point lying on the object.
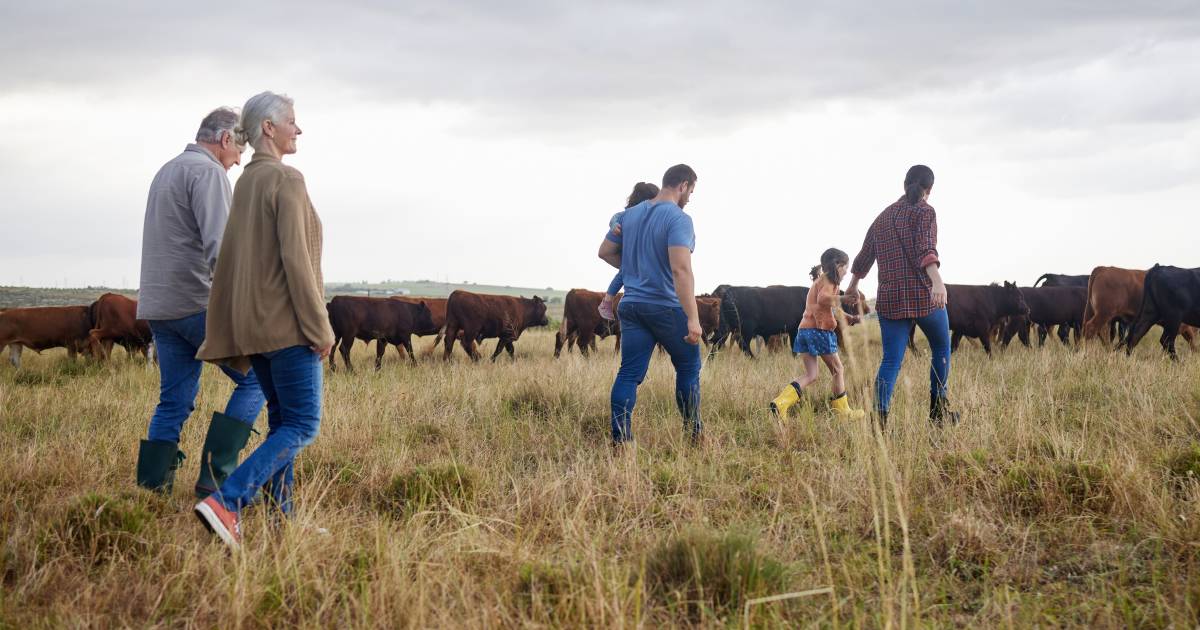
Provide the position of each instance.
(1111, 304)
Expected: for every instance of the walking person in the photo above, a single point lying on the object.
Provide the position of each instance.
(816, 338)
(186, 212)
(641, 192)
(653, 249)
(903, 239)
(268, 311)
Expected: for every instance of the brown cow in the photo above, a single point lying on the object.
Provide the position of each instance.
(478, 316)
(709, 308)
(582, 322)
(44, 327)
(114, 320)
(437, 312)
(1113, 295)
(381, 320)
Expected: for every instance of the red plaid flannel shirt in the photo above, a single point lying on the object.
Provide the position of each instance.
(903, 239)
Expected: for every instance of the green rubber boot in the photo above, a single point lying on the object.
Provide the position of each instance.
(226, 438)
(156, 465)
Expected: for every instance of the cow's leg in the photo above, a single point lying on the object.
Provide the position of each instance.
(347, 343)
(406, 340)
(912, 335)
(333, 352)
(470, 339)
(14, 354)
(954, 339)
(587, 342)
(986, 340)
(1170, 332)
(558, 343)
(500, 348)
(508, 346)
(745, 339)
(1146, 319)
(618, 336)
(381, 346)
(1188, 336)
(448, 340)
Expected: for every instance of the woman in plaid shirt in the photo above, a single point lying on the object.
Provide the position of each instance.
(903, 239)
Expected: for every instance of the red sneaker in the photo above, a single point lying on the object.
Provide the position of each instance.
(220, 521)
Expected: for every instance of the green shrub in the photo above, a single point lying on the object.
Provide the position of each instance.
(424, 487)
(1184, 466)
(100, 527)
(703, 572)
(542, 590)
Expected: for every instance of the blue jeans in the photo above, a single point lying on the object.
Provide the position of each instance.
(642, 326)
(618, 281)
(292, 380)
(176, 341)
(936, 327)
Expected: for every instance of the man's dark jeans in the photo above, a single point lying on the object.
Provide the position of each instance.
(642, 327)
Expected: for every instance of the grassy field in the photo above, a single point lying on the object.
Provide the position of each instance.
(463, 495)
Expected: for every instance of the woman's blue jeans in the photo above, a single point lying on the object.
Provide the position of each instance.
(176, 341)
(936, 327)
(643, 326)
(292, 380)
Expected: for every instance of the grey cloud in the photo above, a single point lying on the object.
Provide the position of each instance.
(558, 62)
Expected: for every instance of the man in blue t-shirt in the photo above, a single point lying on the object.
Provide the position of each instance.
(653, 249)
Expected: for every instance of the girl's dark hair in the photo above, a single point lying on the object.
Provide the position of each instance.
(829, 264)
(641, 192)
(918, 179)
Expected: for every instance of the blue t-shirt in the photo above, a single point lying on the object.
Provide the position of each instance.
(647, 230)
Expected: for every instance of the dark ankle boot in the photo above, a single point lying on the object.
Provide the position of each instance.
(939, 411)
(156, 465)
(226, 438)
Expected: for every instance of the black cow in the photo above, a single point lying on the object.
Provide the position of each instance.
(1170, 297)
(1062, 280)
(975, 310)
(1049, 306)
(759, 312)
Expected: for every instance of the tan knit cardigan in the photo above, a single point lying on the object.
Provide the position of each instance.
(267, 291)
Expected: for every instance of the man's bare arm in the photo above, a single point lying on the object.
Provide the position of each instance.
(610, 253)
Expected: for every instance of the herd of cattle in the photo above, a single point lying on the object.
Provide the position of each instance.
(1110, 304)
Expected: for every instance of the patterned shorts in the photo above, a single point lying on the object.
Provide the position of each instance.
(815, 341)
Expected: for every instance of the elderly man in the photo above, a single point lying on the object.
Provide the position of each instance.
(185, 220)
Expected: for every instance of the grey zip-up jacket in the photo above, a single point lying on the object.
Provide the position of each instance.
(186, 213)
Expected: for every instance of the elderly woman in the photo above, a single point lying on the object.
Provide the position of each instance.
(903, 239)
(267, 310)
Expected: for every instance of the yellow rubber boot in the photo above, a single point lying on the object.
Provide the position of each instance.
(841, 408)
(784, 401)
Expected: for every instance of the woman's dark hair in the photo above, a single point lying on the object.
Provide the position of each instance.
(918, 179)
(641, 192)
(829, 264)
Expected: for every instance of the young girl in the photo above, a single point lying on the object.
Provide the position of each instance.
(816, 338)
(642, 191)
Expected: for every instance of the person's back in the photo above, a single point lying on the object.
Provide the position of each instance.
(186, 211)
(647, 231)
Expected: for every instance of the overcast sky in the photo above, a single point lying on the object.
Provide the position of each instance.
(491, 141)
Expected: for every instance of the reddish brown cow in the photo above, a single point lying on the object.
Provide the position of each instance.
(375, 319)
(582, 322)
(45, 327)
(114, 320)
(1113, 294)
(437, 312)
(709, 308)
(474, 316)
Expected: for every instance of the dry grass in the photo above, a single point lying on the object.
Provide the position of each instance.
(466, 495)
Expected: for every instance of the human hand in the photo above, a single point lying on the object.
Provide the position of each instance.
(694, 332)
(853, 319)
(939, 295)
(617, 229)
(322, 353)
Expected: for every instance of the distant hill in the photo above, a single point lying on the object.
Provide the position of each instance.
(36, 296)
(429, 288)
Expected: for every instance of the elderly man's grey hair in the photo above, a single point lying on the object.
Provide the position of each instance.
(265, 106)
(216, 124)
